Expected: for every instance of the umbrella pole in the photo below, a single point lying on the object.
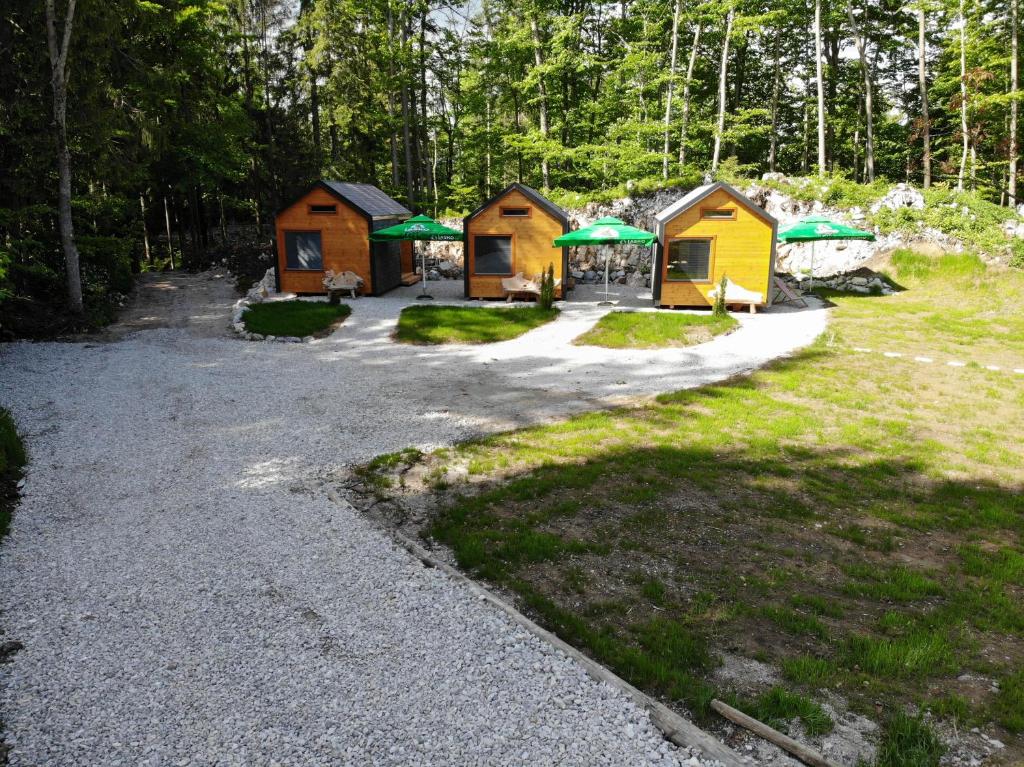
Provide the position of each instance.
(607, 259)
(424, 296)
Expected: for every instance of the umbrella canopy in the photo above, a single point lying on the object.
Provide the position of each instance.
(815, 228)
(417, 228)
(606, 231)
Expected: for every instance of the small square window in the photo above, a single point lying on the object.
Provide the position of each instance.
(492, 254)
(689, 261)
(718, 214)
(302, 251)
(515, 212)
(324, 209)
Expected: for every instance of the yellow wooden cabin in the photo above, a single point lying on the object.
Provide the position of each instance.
(328, 228)
(713, 231)
(509, 234)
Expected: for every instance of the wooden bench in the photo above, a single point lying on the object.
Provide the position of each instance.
(336, 284)
(519, 286)
(737, 295)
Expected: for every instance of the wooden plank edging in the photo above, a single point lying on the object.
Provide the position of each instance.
(799, 750)
(678, 730)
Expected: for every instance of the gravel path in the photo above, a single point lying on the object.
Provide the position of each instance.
(184, 599)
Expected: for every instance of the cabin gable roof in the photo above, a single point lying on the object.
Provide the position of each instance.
(694, 196)
(529, 193)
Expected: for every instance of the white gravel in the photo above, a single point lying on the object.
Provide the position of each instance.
(183, 599)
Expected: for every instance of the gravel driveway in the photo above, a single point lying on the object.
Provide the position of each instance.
(183, 598)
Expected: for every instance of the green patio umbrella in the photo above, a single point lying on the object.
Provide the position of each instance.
(418, 228)
(606, 231)
(814, 228)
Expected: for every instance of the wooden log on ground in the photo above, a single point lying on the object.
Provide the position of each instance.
(804, 753)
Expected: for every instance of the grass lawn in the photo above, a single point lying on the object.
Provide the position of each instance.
(855, 520)
(294, 318)
(654, 330)
(467, 324)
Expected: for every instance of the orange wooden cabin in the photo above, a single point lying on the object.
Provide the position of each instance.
(711, 232)
(511, 233)
(328, 228)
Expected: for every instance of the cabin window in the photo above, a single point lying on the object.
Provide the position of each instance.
(719, 214)
(323, 209)
(302, 251)
(689, 260)
(515, 212)
(492, 254)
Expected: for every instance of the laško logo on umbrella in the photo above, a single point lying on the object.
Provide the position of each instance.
(825, 229)
(416, 228)
(606, 232)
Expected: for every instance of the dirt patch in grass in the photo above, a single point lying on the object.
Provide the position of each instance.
(655, 330)
(295, 318)
(855, 522)
(468, 324)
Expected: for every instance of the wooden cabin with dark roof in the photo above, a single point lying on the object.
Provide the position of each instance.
(328, 228)
(513, 233)
(714, 231)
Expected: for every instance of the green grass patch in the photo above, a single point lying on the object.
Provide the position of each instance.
(293, 318)
(919, 654)
(654, 330)
(810, 671)
(908, 741)
(778, 706)
(1009, 704)
(795, 622)
(12, 462)
(468, 324)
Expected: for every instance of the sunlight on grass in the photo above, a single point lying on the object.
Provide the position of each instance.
(468, 324)
(293, 318)
(654, 330)
(857, 522)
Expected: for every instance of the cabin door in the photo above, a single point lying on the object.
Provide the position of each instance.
(385, 262)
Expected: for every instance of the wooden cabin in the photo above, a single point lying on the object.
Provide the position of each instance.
(713, 231)
(328, 228)
(511, 233)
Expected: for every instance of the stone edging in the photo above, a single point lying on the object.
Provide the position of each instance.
(257, 295)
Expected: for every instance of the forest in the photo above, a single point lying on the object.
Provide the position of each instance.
(147, 134)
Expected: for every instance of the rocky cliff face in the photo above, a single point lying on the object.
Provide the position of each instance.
(633, 264)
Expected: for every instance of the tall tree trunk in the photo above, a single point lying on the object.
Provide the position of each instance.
(686, 94)
(865, 67)
(59, 82)
(1011, 182)
(963, 99)
(723, 80)
(922, 84)
(425, 160)
(167, 221)
(773, 146)
(406, 137)
(391, 101)
(314, 109)
(821, 87)
(145, 229)
(671, 89)
(538, 60)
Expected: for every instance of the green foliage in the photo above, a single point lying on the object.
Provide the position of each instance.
(293, 318)
(547, 289)
(908, 741)
(719, 310)
(1009, 704)
(468, 325)
(12, 461)
(654, 330)
(778, 706)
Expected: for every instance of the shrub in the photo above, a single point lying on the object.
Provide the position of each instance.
(719, 308)
(547, 288)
